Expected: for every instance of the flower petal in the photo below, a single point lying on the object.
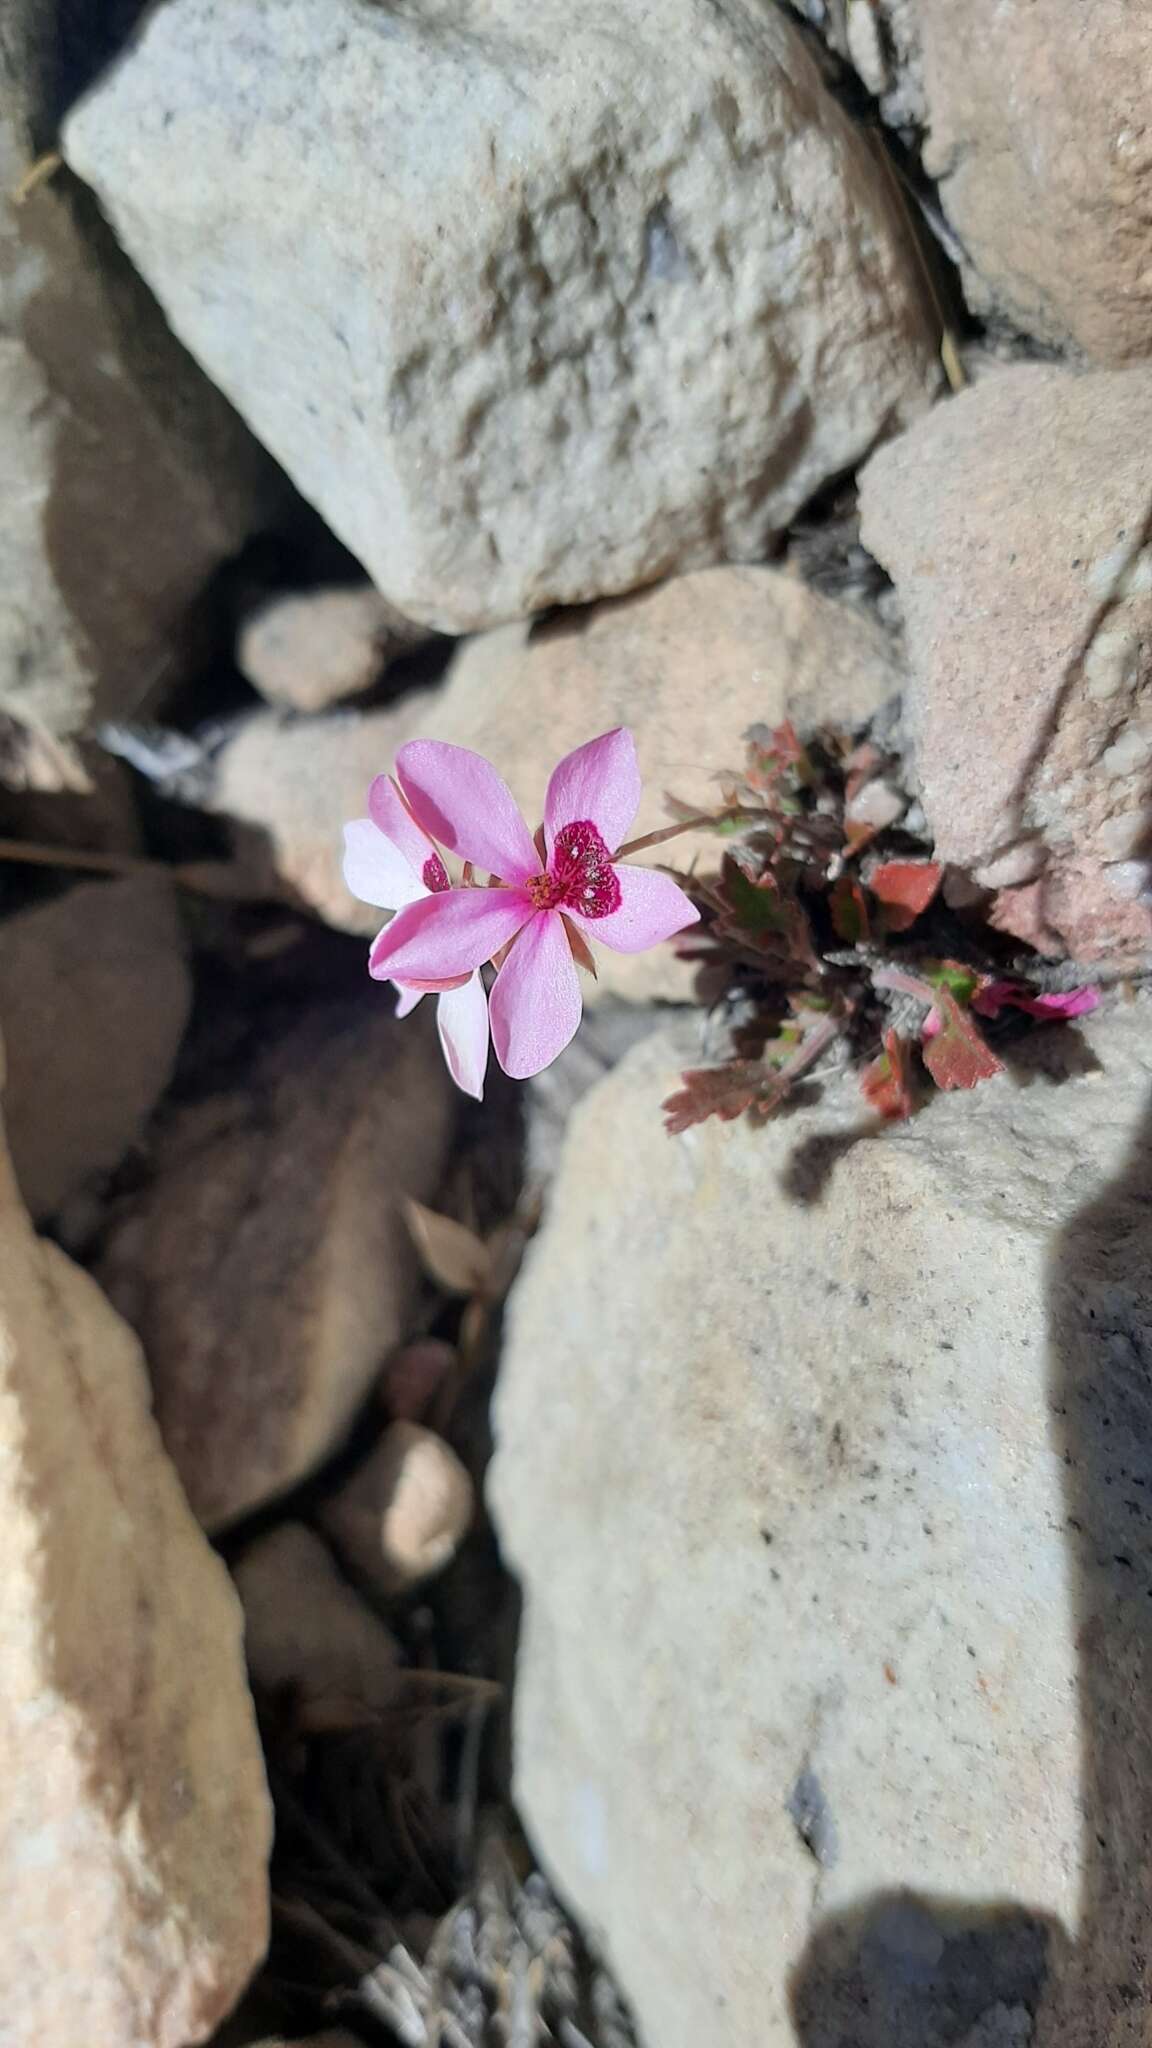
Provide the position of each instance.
(535, 1003)
(396, 822)
(462, 1021)
(448, 934)
(599, 781)
(375, 870)
(409, 997)
(458, 797)
(652, 908)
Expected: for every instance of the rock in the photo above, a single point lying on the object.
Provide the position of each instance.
(134, 1820)
(1014, 521)
(127, 478)
(645, 293)
(312, 648)
(689, 666)
(305, 1631)
(267, 1267)
(94, 997)
(824, 1462)
(1034, 126)
(404, 1512)
(331, 2039)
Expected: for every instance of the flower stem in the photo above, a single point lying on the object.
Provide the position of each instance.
(647, 839)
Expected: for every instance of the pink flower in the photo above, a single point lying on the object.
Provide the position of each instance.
(389, 861)
(569, 882)
(995, 995)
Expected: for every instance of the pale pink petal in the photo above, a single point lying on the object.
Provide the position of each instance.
(652, 908)
(600, 782)
(388, 810)
(459, 798)
(462, 1020)
(409, 997)
(450, 934)
(376, 871)
(535, 1003)
(433, 988)
(1056, 1005)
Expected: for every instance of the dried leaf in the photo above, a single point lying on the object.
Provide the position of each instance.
(888, 1081)
(849, 911)
(450, 1253)
(905, 888)
(956, 1055)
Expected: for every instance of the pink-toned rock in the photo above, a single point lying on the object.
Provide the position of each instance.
(1014, 521)
(134, 1817)
(688, 665)
(309, 649)
(306, 1632)
(267, 1266)
(402, 1515)
(1035, 123)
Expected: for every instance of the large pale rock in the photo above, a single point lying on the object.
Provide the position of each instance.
(1033, 122)
(134, 1819)
(267, 1266)
(688, 666)
(94, 997)
(825, 1462)
(1015, 523)
(535, 304)
(127, 478)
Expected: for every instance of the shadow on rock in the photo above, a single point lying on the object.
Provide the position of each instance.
(902, 1971)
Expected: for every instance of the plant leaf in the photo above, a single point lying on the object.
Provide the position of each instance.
(905, 888)
(724, 1092)
(888, 1081)
(450, 1253)
(957, 1056)
(849, 911)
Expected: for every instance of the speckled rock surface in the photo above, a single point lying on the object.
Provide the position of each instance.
(135, 1823)
(535, 305)
(94, 997)
(1015, 523)
(266, 1265)
(127, 478)
(825, 1467)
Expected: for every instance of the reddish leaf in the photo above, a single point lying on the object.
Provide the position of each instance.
(905, 888)
(957, 1056)
(724, 1092)
(888, 1080)
(849, 911)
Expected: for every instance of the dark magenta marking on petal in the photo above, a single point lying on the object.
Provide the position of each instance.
(434, 875)
(580, 874)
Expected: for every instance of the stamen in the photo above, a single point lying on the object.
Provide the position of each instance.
(580, 877)
(434, 875)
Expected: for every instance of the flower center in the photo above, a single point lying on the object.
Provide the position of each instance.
(580, 875)
(434, 875)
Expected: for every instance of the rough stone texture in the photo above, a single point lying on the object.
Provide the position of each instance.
(312, 648)
(267, 1267)
(94, 997)
(127, 478)
(1017, 523)
(305, 1631)
(1035, 125)
(134, 1819)
(535, 305)
(826, 1468)
(689, 666)
(404, 1512)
